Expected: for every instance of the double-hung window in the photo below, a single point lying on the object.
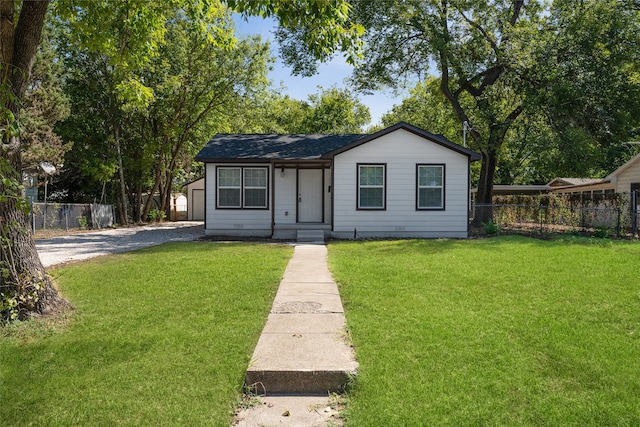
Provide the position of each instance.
(242, 187)
(430, 187)
(255, 188)
(371, 186)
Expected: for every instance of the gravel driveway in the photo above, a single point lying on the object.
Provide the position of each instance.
(76, 247)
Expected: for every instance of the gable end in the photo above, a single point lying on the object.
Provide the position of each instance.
(438, 139)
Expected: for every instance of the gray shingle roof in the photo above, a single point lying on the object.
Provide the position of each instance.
(228, 147)
(272, 147)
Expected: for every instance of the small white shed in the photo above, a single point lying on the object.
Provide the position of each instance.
(195, 200)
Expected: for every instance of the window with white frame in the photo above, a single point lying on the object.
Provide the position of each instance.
(242, 187)
(430, 187)
(371, 186)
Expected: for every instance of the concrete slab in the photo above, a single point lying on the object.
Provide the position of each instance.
(317, 288)
(309, 264)
(304, 324)
(304, 273)
(307, 304)
(303, 411)
(304, 352)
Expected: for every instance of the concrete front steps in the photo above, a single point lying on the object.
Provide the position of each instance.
(301, 232)
(303, 348)
(310, 236)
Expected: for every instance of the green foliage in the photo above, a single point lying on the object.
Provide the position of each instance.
(335, 110)
(145, 346)
(45, 104)
(490, 227)
(83, 222)
(426, 107)
(332, 110)
(156, 215)
(547, 88)
(601, 215)
(19, 297)
(602, 232)
(502, 331)
(322, 27)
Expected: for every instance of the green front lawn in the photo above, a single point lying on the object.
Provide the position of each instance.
(160, 336)
(500, 331)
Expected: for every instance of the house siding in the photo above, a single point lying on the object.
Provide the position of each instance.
(236, 222)
(400, 151)
(627, 177)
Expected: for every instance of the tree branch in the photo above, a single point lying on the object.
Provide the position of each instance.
(7, 31)
(26, 41)
(487, 37)
(517, 8)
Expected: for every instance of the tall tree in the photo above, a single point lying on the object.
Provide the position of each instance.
(469, 42)
(335, 110)
(130, 32)
(573, 60)
(194, 99)
(587, 83)
(24, 283)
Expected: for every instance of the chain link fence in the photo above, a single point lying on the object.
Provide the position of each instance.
(553, 219)
(69, 216)
(612, 216)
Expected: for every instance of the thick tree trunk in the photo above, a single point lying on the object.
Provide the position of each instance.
(24, 276)
(487, 174)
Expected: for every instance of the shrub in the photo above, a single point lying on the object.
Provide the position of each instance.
(156, 215)
(490, 227)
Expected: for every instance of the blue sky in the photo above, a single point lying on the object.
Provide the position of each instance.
(329, 74)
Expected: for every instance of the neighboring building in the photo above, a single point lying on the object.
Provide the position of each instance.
(399, 182)
(568, 182)
(195, 200)
(625, 179)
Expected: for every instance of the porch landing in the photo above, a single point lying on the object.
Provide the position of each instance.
(307, 233)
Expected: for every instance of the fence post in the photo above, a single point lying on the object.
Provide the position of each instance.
(634, 213)
(540, 217)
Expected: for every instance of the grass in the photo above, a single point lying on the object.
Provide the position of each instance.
(160, 336)
(499, 331)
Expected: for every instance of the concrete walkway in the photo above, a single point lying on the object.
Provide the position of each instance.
(302, 355)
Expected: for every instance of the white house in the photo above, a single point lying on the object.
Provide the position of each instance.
(399, 182)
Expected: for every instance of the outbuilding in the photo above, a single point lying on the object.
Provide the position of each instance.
(399, 182)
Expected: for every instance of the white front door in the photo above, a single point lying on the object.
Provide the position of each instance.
(310, 195)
